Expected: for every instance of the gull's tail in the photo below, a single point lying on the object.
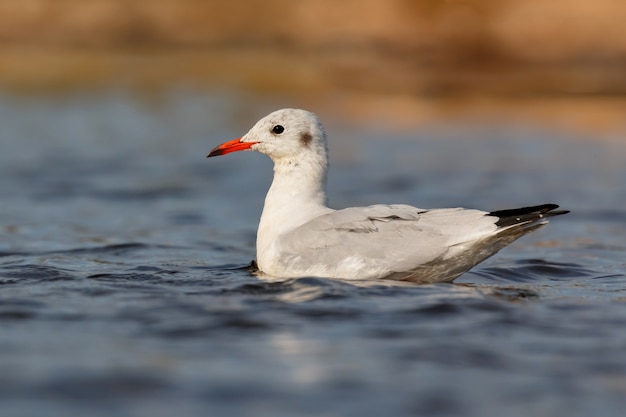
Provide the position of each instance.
(526, 216)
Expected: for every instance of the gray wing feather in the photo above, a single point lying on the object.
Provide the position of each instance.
(396, 237)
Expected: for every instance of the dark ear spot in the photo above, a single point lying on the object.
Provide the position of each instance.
(306, 138)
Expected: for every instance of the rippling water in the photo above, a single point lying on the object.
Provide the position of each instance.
(125, 289)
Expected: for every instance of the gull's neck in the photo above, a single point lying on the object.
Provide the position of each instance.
(297, 193)
(296, 196)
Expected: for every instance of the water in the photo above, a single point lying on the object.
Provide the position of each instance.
(124, 287)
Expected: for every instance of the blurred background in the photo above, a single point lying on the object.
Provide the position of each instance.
(124, 252)
(555, 63)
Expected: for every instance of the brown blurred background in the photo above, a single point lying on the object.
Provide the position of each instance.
(555, 62)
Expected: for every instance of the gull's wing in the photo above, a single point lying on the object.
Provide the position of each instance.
(383, 238)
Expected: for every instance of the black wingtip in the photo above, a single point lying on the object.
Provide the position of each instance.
(526, 214)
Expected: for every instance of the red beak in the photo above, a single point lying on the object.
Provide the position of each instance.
(231, 146)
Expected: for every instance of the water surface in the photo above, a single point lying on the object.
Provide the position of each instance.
(125, 289)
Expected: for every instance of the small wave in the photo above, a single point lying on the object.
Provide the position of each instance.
(533, 270)
(13, 274)
(114, 249)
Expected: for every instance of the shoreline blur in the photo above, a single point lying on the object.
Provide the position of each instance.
(554, 63)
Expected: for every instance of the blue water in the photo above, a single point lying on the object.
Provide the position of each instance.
(125, 289)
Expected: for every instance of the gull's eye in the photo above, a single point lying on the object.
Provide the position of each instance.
(278, 129)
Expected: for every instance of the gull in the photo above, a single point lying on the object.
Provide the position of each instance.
(300, 236)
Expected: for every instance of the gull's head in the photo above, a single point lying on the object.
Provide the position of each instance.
(286, 134)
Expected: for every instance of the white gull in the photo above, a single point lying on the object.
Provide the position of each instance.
(299, 235)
